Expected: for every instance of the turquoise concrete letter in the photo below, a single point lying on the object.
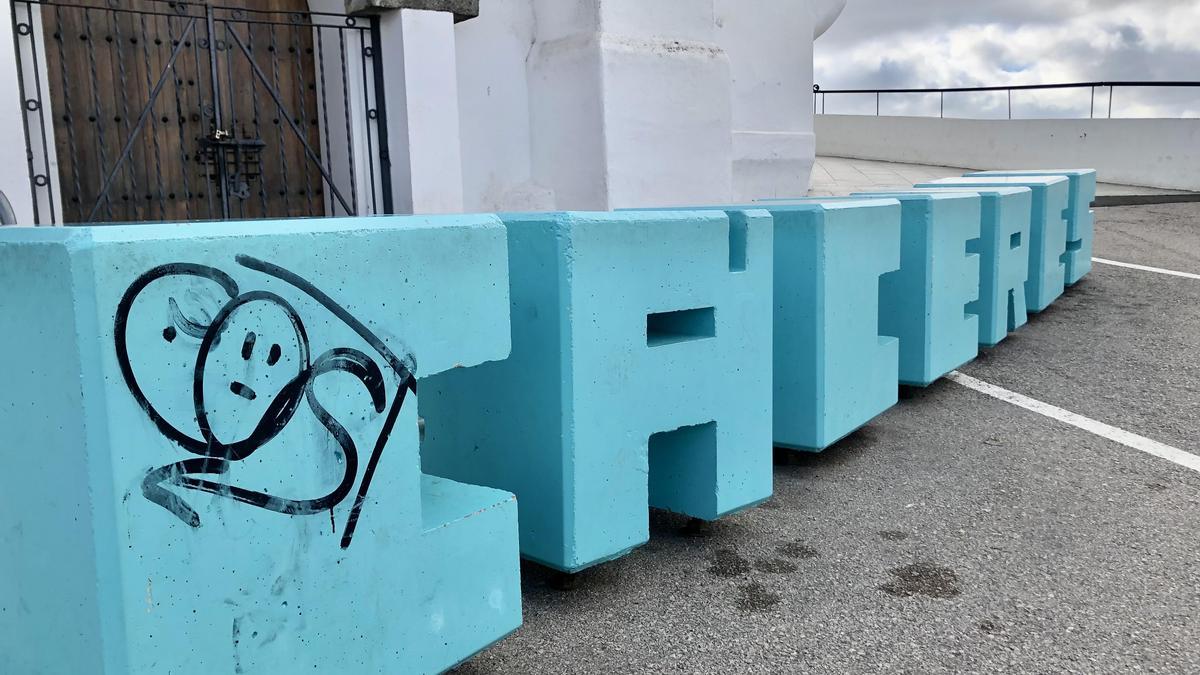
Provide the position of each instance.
(1080, 217)
(930, 302)
(833, 370)
(1047, 231)
(640, 376)
(211, 448)
(1003, 249)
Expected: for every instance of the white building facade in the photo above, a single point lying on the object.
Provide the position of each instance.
(531, 105)
(598, 104)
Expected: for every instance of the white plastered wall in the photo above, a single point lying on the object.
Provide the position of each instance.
(630, 104)
(771, 55)
(594, 104)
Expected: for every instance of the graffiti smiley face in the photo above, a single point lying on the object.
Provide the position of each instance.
(248, 358)
(251, 373)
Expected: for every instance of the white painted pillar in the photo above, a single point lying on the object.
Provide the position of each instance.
(825, 12)
(629, 103)
(770, 47)
(596, 104)
(494, 106)
(420, 81)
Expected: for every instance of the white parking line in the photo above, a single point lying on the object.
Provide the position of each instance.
(1144, 268)
(1126, 438)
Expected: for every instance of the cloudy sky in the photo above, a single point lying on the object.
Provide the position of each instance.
(948, 43)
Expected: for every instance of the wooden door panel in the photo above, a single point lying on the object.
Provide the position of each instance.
(104, 59)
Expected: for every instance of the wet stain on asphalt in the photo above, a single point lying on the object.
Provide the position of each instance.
(893, 535)
(990, 627)
(798, 551)
(727, 563)
(933, 581)
(774, 566)
(756, 598)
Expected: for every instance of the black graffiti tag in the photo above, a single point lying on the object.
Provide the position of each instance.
(214, 451)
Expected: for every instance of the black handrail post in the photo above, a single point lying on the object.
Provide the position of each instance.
(385, 156)
(1110, 97)
(37, 220)
(877, 104)
(941, 105)
(822, 103)
(1092, 112)
(1010, 104)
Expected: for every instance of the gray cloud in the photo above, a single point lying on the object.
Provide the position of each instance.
(946, 43)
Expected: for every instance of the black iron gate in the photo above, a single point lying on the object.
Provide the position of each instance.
(148, 110)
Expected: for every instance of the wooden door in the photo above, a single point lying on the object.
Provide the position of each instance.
(248, 93)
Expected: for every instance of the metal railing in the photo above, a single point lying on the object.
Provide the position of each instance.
(820, 94)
